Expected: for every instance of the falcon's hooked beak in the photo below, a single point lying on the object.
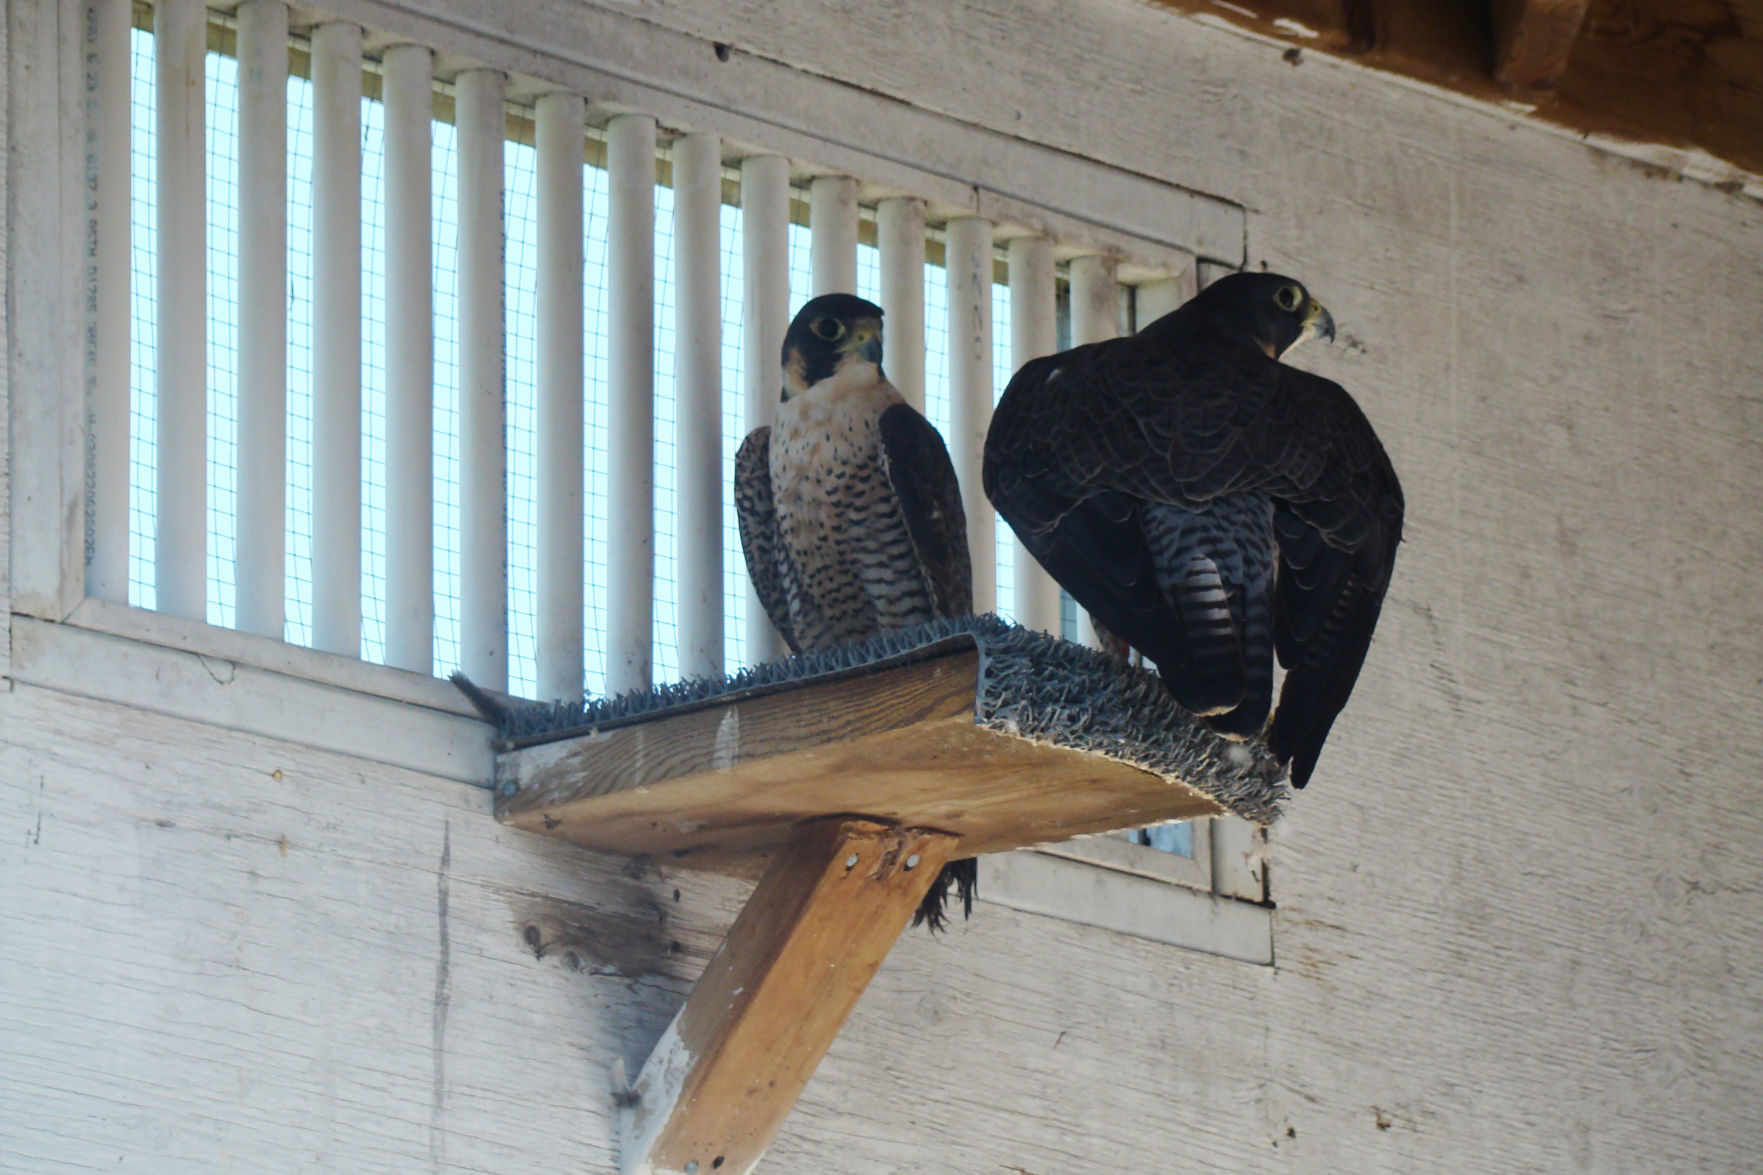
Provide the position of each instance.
(864, 340)
(1318, 322)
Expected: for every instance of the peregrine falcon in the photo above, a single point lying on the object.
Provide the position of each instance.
(850, 512)
(1210, 505)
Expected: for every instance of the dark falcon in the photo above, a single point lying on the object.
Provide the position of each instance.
(1210, 505)
(850, 513)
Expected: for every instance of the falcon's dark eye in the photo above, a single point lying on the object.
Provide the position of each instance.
(1288, 298)
(828, 328)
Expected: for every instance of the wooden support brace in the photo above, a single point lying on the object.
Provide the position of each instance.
(1533, 40)
(824, 914)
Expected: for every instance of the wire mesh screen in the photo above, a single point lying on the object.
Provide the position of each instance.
(521, 303)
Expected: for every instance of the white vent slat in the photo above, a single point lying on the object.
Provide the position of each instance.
(483, 510)
(832, 224)
(107, 567)
(181, 546)
(1034, 331)
(260, 565)
(630, 162)
(765, 280)
(336, 338)
(559, 139)
(410, 361)
(899, 224)
(697, 244)
(969, 262)
(1095, 316)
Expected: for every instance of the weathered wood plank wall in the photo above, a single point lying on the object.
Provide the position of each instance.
(1518, 925)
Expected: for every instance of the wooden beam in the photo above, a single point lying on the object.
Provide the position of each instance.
(1533, 40)
(719, 787)
(735, 1058)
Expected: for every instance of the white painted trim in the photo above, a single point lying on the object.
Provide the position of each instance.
(273, 656)
(240, 696)
(1113, 851)
(6, 367)
(1239, 859)
(47, 354)
(1036, 882)
(623, 62)
(107, 446)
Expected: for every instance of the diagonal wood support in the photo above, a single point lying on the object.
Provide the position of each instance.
(815, 930)
(1533, 41)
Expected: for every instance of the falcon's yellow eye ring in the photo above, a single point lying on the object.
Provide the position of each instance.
(829, 329)
(1288, 298)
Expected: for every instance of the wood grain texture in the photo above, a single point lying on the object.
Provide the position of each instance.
(1533, 40)
(774, 996)
(45, 307)
(5, 384)
(1660, 71)
(1517, 924)
(722, 786)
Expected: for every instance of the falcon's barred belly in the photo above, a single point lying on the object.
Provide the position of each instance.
(1210, 505)
(850, 512)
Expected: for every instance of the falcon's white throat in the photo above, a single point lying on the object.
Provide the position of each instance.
(854, 375)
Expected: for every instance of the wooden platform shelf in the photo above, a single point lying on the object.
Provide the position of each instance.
(844, 797)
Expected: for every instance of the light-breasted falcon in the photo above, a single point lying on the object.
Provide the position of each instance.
(1210, 505)
(850, 512)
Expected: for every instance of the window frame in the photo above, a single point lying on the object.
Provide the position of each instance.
(53, 636)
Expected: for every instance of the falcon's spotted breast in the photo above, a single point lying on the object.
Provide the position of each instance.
(850, 512)
(1210, 505)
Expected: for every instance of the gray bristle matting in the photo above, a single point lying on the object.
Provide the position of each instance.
(1032, 685)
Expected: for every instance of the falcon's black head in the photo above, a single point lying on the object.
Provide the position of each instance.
(830, 333)
(1276, 312)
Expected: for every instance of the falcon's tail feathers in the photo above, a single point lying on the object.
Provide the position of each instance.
(964, 876)
(1316, 689)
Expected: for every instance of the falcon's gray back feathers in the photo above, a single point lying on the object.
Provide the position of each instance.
(1210, 505)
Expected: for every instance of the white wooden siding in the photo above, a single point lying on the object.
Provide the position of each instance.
(1517, 927)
